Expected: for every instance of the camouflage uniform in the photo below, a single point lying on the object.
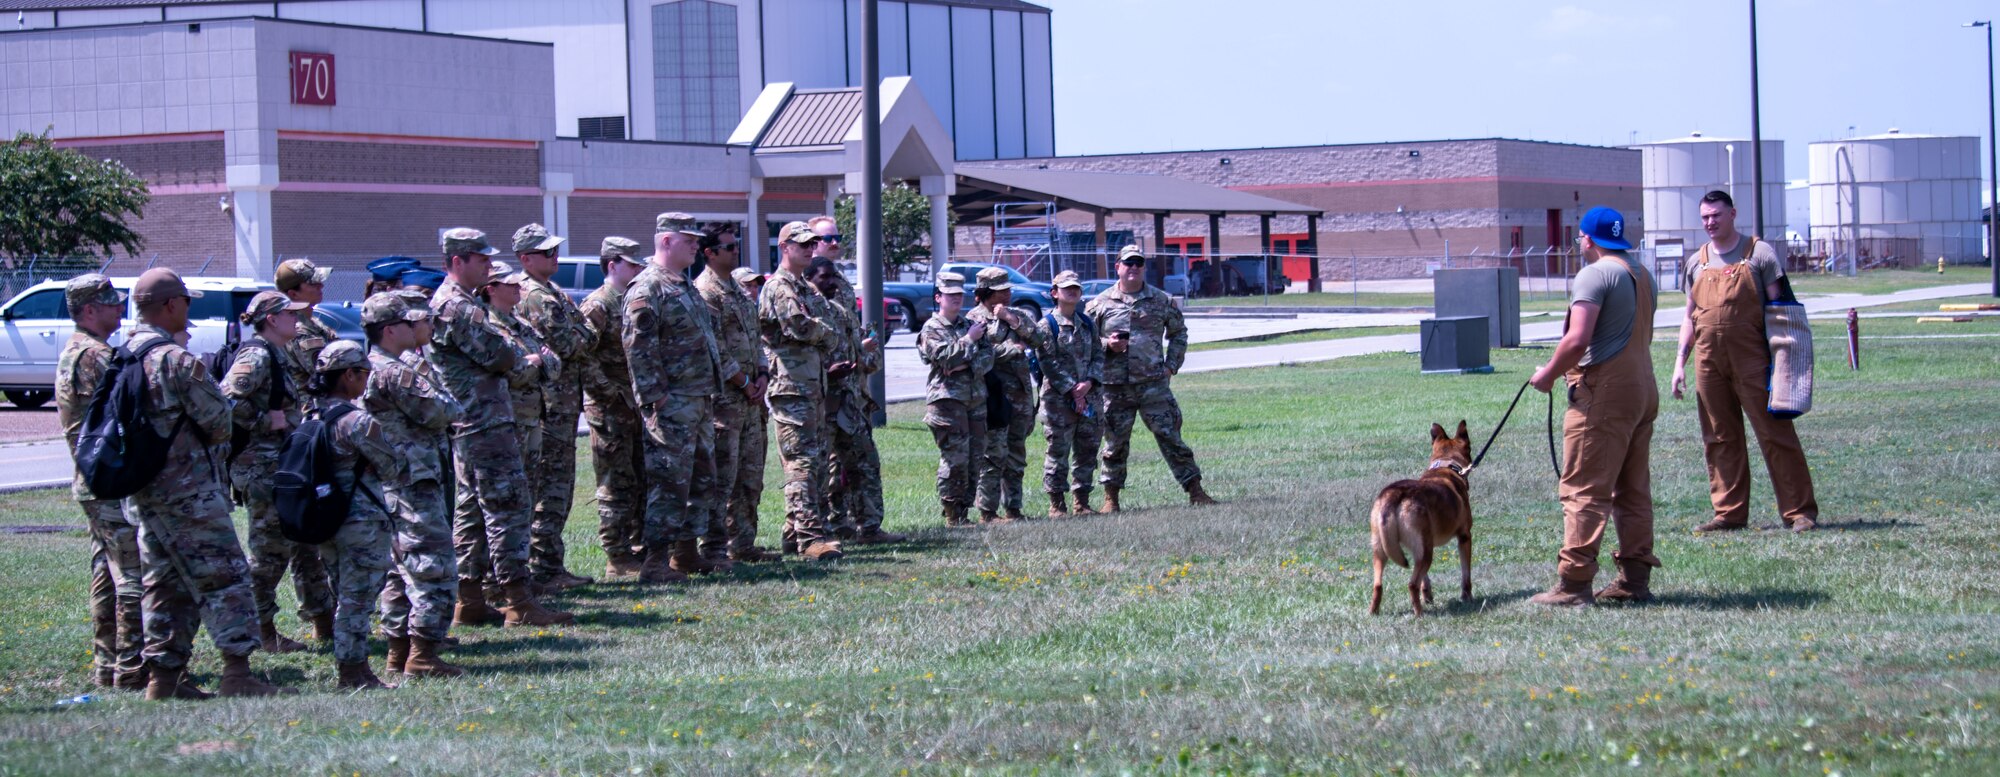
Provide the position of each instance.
(1071, 353)
(676, 372)
(956, 398)
(792, 317)
(740, 445)
(854, 468)
(1137, 381)
(414, 413)
(492, 514)
(617, 436)
(559, 323)
(1004, 461)
(194, 571)
(248, 387)
(115, 591)
(360, 551)
(526, 388)
(305, 347)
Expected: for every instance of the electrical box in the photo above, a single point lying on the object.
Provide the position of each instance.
(1493, 292)
(1455, 346)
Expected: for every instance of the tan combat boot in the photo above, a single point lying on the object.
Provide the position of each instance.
(323, 627)
(1014, 514)
(755, 555)
(687, 559)
(399, 653)
(523, 610)
(823, 550)
(275, 642)
(657, 571)
(954, 516)
(992, 518)
(424, 661)
(472, 609)
(717, 556)
(135, 680)
(876, 536)
(1197, 496)
(1081, 502)
(358, 677)
(1058, 505)
(163, 684)
(237, 681)
(1567, 593)
(1110, 500)
(623, 568)
(1633, 583)
(1717, 525)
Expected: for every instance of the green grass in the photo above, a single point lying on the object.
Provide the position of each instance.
(1888, 281)
(1931, 305)
(1168, 639)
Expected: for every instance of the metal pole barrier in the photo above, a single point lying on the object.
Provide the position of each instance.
(1354, 276)
(1853, 339)
(869, 212)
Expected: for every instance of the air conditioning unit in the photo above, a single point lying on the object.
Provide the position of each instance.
(1454, 346)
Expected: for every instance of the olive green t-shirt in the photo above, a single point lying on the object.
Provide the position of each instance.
(1608, 286)
(1763, 263)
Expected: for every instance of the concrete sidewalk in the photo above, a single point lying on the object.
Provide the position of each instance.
(47, 464)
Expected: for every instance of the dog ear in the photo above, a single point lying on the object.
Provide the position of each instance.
(1462, 435)
(1437, 432)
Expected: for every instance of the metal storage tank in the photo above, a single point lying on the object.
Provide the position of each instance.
(1676, 173)
(1888, 195)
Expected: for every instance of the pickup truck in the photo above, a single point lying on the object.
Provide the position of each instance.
(35, 325)
(918, 299)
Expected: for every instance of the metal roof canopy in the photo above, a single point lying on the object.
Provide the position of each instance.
(979, 189)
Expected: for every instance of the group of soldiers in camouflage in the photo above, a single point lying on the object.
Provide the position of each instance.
(453, 427)
(1099, 367)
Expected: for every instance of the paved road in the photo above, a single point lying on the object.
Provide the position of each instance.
(46, 464)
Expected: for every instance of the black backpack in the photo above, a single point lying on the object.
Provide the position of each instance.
(117, 451)
(311, 504)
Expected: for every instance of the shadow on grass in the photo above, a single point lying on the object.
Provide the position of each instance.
(484, 643)
(1869, 525)
(529, 667)
(1762, 599)
(1480, 602)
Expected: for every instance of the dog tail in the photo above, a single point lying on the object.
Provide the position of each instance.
(1388, 520)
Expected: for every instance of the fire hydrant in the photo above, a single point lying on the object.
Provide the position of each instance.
(1940, 265)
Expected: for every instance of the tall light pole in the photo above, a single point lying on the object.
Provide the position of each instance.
(1992, 166)
(1756, 128)
(868, 213)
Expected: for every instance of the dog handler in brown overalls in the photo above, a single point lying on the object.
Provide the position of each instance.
(1606, 358)
(1727, 284)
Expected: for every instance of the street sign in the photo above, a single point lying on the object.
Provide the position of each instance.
(312, 78)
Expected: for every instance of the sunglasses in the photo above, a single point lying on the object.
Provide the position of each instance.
(830, 239)
(725, 247)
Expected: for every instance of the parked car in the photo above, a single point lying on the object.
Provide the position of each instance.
(1028, 294)
(37, 326)
(344, 318)
(1093, 288)
(578, 276)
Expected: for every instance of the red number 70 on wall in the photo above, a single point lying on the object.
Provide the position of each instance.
(312, 78)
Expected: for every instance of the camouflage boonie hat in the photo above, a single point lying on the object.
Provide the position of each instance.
(266, 303)
(465, 240)
(293, 273)
(88, 288)
(159, 285)
(621, 248)
(534, 237)
(1067, 279)
(503, 272)
(389, 308)
(675, 221)
(746, 276)
(1129, 253)
(950, 283)
(993, 279)
(796, 232)
(342, 355)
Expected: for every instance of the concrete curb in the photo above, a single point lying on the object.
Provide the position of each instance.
(15, 488)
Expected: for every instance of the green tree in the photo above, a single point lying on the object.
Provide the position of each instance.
(55, 202)
(906, 226)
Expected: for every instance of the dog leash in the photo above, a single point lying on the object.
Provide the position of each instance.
(1554, 460)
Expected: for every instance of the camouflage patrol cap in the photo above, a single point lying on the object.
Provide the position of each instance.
(159, 285)
(746, 276)
(1067, 279)
(293, 273)
(342, 355)
(796, 232)
(389, 308)
(88, 288)
(267, 303)
(993, 279)
(950, 283)
(465, 240)
(416, 299)
(534, 237)
(503, 273)
(1131, 254)
(621, 248)
(676, 221)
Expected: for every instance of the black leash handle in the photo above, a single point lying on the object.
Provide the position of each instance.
(1554, 460)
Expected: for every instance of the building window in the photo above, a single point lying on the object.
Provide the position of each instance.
(601, 128)
(695, 77)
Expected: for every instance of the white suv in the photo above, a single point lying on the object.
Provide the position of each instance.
(37, 326)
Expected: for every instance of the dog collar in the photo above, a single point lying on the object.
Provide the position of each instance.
(1460, 469)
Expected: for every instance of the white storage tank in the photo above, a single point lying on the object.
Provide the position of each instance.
(1890, 194)
(1676, 173)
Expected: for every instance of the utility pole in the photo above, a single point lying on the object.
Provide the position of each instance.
(1756, 128)
(868, 214)
(1992, 166)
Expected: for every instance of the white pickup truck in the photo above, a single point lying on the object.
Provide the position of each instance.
(37, 325)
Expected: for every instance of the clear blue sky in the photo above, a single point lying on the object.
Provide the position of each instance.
(1157, 75)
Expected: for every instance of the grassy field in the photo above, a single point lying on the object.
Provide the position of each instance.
(1174, 640)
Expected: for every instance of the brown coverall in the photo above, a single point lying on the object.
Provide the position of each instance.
(1607, 449)
(1732, 359)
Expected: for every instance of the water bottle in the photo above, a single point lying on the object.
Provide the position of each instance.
(74, 700)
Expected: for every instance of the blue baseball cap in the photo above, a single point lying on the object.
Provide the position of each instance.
(390, 268)
(1606, 228)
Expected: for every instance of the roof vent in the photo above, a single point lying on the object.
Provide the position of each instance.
(1695, 134)
(1895, 131)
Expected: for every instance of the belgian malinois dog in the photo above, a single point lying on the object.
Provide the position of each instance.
(1412, 517)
